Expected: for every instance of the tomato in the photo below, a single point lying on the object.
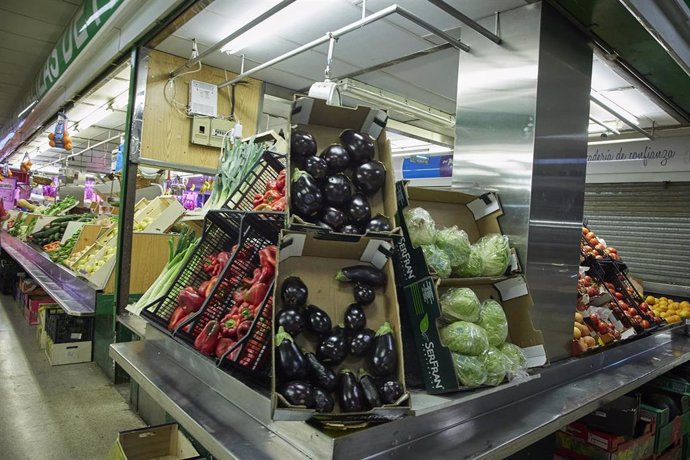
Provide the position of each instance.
(645, 324)
(599, 247)
(585, 230)
(589, 235)
(592, 291)
(599, 257)
(618, 295)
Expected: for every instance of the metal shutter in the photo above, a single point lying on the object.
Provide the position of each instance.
(650, 225)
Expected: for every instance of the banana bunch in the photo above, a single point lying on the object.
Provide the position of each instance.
(206, 186)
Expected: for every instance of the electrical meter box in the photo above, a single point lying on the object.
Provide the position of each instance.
(201, 130)
(219, 128)
(203, 98)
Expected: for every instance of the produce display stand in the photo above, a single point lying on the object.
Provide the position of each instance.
(231, 418)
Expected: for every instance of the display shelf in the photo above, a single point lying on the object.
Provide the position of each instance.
(76, 296)
(134, 323)
(489, 423)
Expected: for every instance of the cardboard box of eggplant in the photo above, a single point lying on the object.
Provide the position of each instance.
(340, 170)
(316, 279)
(422, 292)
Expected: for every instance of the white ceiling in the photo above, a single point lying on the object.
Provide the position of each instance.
(29, 30)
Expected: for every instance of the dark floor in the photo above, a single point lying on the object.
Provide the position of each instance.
(46, 412)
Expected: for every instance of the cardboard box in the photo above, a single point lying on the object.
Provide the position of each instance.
(476, 215)
(33, 303)
(68, 353)
(155, 442)
(421, 299)
(316, 260)
(326, 123)
(618, 417)
(577, 441)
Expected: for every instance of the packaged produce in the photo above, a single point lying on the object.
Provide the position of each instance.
(421, 226)
(496, 366)
(470, 370)
(465, 338)
(495, 254)
(515, 358)
(493, 320)
(460, 304)
(455, 244)
(437, 260)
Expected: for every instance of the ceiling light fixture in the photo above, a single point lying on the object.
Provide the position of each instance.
(618, 141)
(28, 107)
(604, 125)
(92, 118)
(327, 89)
(626, 118)
(121, 101)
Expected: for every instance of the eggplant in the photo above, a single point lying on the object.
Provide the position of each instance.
(333, 217)
(359, 209)
(302, 145)
(369, 177)
(351, 229)
(390, 391)
(321, 376)
(318, 321)
(350, 393)
(298, 393)
(380, 223)
(364, 274)
(306, 197)
(290, 362)
(383, 358)
(293, 292)
(316, 167)
(323, 401)
(292, 320)
(369, 389)
(364, 295)
(359, 146)
(336, 158)
(355, 319)
(333, 348)
(361, 342)
(337, 190)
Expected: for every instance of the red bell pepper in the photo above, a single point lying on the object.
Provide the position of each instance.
(207, 340)
(278, 205)
(202, 288)
(272, 196)
(178, 316)
(255, 295)
(267, 256)
(280, 181)
(211, 284)
(261, 275)
(190, 300)
(209, 264)
(243, 328)
(222, 258)
(224, 344)
(238, 295)
(229, 324)
(257, 200)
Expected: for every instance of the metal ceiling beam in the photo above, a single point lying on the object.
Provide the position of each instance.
(82, 151)
(466, 20)
(603, 125)
(249, 25)
(393, 9)
(601, 103)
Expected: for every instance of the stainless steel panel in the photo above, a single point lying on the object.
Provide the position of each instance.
(522, 115)
(76, 296)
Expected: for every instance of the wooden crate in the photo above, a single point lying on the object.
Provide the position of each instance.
(161, 213)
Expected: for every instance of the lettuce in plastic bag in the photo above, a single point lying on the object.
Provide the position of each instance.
(420, 225)
(493, 320)
(460, 304)
(494, 251)
(455, 244)
(495, 364)
(515, 358)
(437, 260)
(465, 338)
(474, 266)
(469, 369)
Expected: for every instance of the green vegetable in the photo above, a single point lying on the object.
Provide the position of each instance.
(455, 244)
(465, 338)
(515, 357)
(437, 260)
(469, 370)
(420, 225)
(460, 304)
(474, 266)
(495, 364)
(493, 319)
(495, 253)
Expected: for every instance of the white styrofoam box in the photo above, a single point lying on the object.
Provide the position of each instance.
(68, 353)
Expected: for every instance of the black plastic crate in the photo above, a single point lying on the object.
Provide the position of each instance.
(266, 169)
(258, 230)
(64, 328)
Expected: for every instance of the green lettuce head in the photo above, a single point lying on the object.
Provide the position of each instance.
(465, 338)
(455, 244)
(494, 321)
(420, 225)
(474, 266)
(514, 356)
(460, 304)
(469, 370)
(495, 254)
(437, 260)
(495, 364)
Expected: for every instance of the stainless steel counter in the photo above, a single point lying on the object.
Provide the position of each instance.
(76, 296)
(230, 419)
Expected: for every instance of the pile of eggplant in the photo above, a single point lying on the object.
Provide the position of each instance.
(313, 380)
(332, 190)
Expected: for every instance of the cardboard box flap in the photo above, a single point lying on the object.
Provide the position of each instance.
(484, 205)
(535, 355)
(291, 246)
(301, 109)
(362, 118)
(377, 253)
(512, 288)
(375, 123)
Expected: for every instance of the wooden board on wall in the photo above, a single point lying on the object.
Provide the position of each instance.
(166, 133)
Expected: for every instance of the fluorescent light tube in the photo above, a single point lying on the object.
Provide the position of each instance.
(28, 107)
(617, 141)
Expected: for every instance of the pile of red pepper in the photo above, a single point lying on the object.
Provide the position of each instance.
(273, 199)
(248, 293)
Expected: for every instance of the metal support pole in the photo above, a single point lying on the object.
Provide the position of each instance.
(466, 20)
(393, 9)
(329, 58)
(249, 25)
(603, 125)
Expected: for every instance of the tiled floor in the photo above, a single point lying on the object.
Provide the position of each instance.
(61, 412)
